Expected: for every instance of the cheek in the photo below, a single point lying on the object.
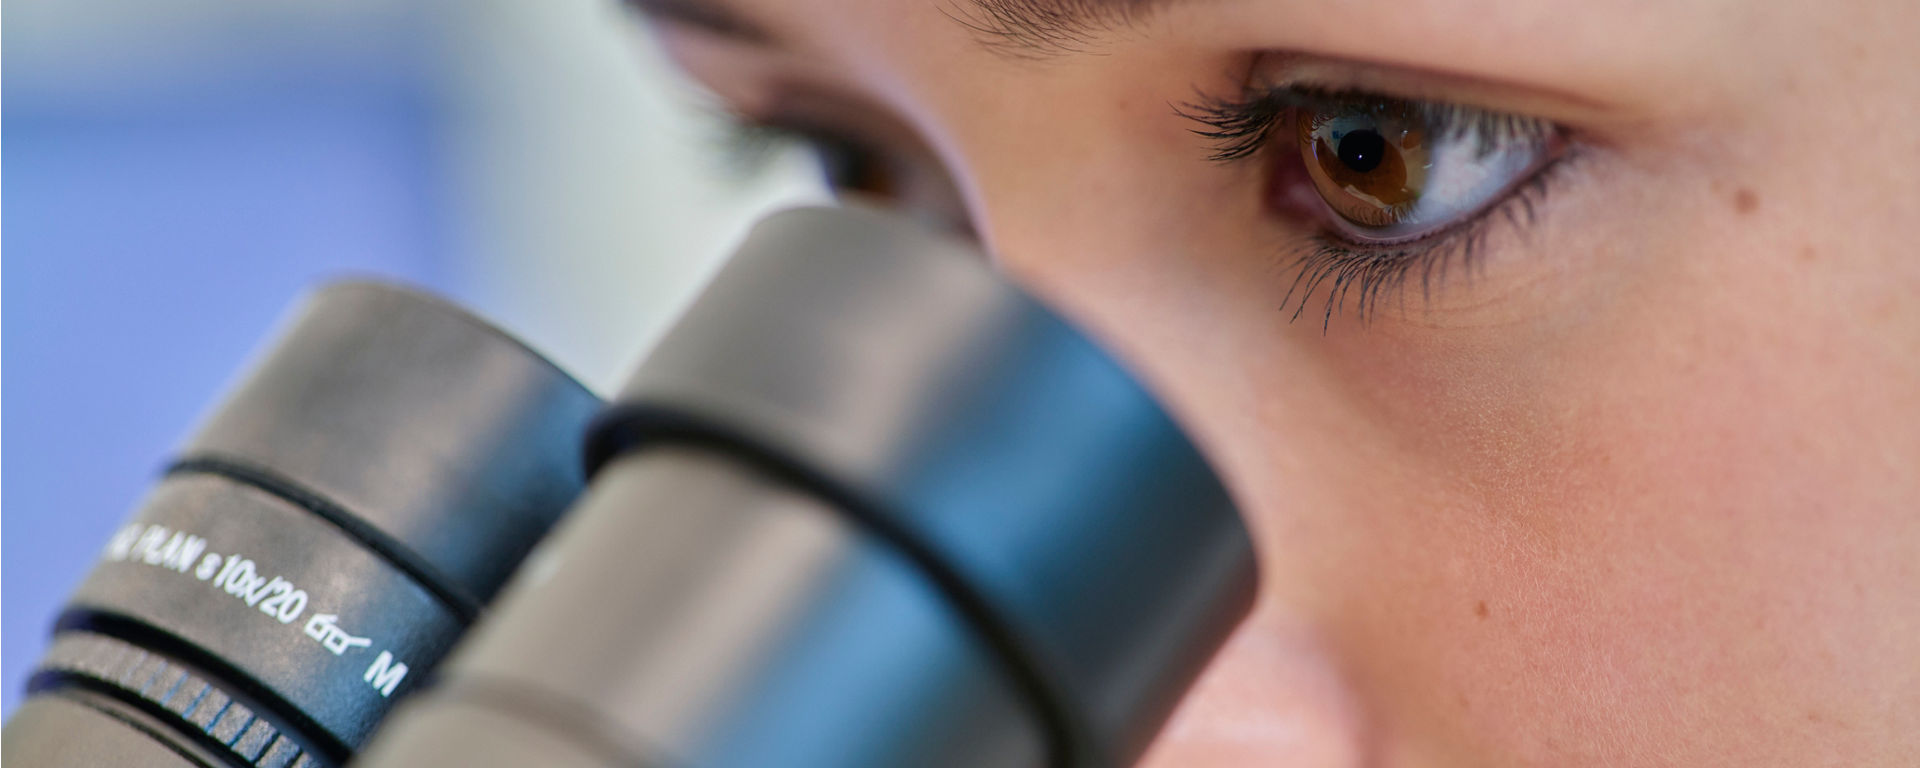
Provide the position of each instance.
(1671, 534)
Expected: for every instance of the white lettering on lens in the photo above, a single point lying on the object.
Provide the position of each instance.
(284, 602)
(181, 552)
(331, 636)
(385, 673)
(147, 548)
(242, 579)
(122, 542)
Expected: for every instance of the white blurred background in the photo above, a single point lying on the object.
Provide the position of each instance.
(176, 172)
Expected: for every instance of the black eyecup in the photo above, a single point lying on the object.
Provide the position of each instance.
(1026, 473)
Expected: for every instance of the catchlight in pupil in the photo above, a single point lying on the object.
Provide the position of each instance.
(1361, 150)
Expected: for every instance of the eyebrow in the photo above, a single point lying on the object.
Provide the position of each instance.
(1017, 28)
(1045, 28)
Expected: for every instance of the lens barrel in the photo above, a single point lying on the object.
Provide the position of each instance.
(331, 530)
(866, 505)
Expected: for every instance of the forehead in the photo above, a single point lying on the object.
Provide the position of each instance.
(1607, 50)
(1014, 27)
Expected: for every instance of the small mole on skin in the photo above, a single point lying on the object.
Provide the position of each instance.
(1744, 201)
(1480, 609)
(1807, 253)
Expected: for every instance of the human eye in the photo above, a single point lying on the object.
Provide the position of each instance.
(1389, 187)
(847, 165)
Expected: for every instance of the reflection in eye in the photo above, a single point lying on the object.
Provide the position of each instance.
(1393, 171)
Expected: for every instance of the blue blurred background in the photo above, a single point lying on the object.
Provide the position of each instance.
(177, 172)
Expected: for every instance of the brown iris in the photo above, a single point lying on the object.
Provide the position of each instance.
(1369, 165)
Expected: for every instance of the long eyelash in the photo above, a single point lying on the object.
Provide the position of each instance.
(1237, 128)
(1370, 273)
(1240, 128)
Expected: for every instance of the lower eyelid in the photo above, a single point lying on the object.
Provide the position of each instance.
(1362, 276)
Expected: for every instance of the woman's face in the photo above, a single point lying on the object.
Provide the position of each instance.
(1565, 357)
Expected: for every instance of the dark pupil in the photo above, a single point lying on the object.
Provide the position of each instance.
(847, 167)
(1362, 151)
(850, 166)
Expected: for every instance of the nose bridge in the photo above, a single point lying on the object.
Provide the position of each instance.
(1112, 231)
(1097, 226)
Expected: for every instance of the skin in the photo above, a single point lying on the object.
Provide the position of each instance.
(1639, 488)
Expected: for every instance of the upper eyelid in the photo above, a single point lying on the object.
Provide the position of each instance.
(1281, 69)
(1241, 126)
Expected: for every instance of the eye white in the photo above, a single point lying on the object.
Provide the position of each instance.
(1464, 173)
